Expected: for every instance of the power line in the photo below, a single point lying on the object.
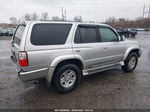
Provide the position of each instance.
(146, 12)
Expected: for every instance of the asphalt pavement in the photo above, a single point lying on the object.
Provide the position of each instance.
(111, 89)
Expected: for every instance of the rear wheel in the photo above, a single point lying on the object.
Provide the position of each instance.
(133, 35)
(130, 62)
(67, 78)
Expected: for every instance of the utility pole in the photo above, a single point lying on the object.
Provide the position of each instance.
(65, 15)
(143, 10)
(149, 12)
(63, 12)
(146, 12)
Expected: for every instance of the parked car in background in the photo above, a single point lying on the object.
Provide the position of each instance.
(1, 32)
(140, 29)
(7, 31)
(11, 31)
(126, 32)
(146, 29)
(132, 32)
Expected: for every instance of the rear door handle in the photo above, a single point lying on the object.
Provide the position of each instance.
(77, 50)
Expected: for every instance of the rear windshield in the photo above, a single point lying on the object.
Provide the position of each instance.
(18, 34)
(50, 34)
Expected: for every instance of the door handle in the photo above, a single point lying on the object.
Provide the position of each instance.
(105, 47)
(77, 50)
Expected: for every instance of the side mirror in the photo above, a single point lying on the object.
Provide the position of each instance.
(122, 38)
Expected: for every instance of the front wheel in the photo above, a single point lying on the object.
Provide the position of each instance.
(67, 78)
(130, 62)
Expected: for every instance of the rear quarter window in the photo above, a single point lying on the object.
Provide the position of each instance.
(50, 34)
(18, 34)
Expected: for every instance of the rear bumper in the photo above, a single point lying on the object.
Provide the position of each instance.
(33, 75)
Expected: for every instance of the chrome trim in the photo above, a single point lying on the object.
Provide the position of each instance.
(24, 73)
(100, 69)
(103, 66)
(33, 75)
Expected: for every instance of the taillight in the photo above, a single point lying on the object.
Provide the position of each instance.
(23, 58)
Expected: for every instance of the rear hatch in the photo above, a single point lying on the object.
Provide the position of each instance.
(15, 44)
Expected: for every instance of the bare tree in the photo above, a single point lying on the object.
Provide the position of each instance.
(125, 23)
(78, 18)
(13, 20)
(56, 18)
(21, 19)
(45, 16)
(34, 16)
(27, 17)
(122, 19)
(111, 20)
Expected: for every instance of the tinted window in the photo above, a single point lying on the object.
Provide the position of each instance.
(108, 35)
(50, 34)
(86, 35)
(18, 34)
(77, 36)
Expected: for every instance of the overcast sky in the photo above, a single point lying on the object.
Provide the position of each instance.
(90, 10)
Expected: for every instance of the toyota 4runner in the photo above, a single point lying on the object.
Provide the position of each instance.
(63, 52)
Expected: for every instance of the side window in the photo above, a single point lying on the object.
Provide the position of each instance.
(50, 34)
(107, 35)
(18, 34)
(85, 35)
(77, 38)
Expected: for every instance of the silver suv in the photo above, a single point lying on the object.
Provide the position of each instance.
(63, 52)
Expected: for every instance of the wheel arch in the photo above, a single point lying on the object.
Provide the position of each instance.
(130, 50)
(71, 61)
(59, 61)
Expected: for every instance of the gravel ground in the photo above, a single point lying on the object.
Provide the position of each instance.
(5, 38)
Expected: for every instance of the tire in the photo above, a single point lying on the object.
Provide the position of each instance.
(61, 79)
(133, 35)
(126, 35)
(130, 65)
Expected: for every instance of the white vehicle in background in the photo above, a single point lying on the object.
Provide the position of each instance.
(10, 31)
(140, 29)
